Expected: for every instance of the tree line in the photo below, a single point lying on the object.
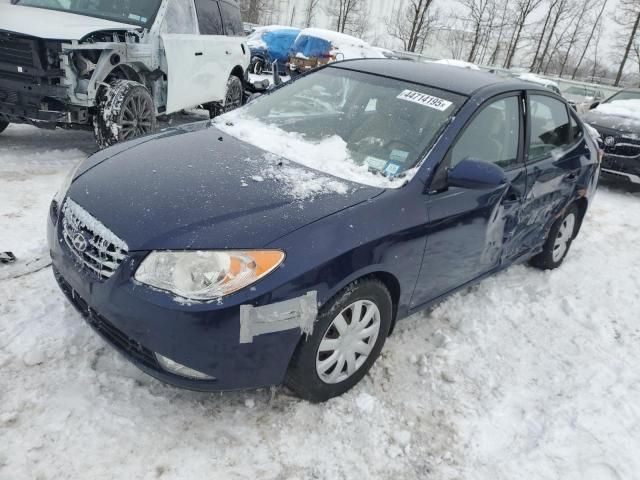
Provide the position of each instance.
(553, 37)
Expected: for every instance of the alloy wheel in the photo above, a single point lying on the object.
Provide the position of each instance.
(348, 342)
(137, 116)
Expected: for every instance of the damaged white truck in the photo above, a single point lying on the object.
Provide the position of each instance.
(115, 66)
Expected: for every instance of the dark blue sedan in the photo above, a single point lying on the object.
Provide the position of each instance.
(282, 242)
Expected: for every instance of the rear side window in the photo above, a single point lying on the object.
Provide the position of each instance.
(180, 17)
(576, 133)
(209, 17)
(550, 127)
(231, 19)
(492, 136)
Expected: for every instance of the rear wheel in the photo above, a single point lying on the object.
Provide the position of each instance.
(257, 65)
(558, 242)
(3, 125)
(233, 98)
(125, 111)
(347, 339)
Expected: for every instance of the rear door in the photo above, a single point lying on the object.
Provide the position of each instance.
(183, 49)
(471, 231)
(557, 155)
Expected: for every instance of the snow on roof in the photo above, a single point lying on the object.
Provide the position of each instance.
(621, 108)
(255, 39)
(457, 63)
(350, 47)
(530, 77)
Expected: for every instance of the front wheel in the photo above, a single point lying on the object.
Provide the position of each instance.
(232, 100)
(125, 111)
(347, 339)
(558, 242)
(3, 125)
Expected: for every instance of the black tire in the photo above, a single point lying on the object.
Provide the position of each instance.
(3, 125)
(125, 111)
(303, 377)
(233, 98)
(550, 258)
(257, 65)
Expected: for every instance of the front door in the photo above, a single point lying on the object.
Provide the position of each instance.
(471, 231)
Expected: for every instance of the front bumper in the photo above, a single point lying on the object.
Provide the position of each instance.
(622, 168)
(139, 322)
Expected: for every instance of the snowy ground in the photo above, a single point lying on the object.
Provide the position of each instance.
(529, 375)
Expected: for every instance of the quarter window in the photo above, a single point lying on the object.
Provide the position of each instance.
(492, 136)
(550, 127)
(209, 17)
(231, 19)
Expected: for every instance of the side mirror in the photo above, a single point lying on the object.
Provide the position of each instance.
(474, 173)
(594, 105)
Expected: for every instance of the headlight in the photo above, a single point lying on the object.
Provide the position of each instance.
(207, 275)
(64, 188)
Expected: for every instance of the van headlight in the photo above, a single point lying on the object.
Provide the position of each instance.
(207, 275)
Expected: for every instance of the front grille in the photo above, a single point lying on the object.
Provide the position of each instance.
(93, 245)
(624, 149)
(105, 328)
(16, 50)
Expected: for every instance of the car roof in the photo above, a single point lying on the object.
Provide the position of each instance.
(453, 79)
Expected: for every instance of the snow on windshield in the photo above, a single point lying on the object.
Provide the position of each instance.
(358, 127)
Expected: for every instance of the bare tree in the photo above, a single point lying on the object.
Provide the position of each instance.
(524, 9)
(596, 25)
(310, 12)
(412, 23)
(345, 14)
(578, 30)
(629, 12)
(543, 34)
(503, 23)
(253, 11)
(560, 10)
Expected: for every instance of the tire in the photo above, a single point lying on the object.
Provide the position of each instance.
(257, 65)
(558, 242)
(233, 98)
(317, 374)
(125, 111)
(3, 125)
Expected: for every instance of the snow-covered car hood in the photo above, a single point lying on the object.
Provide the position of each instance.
(195, 187)
(622, 115)
(53, 25)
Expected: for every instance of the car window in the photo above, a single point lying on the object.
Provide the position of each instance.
(231, 19)
(209, 17)
(492, 136)
(550, 127)
(180, 18)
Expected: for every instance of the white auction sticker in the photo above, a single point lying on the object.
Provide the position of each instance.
(425, 100)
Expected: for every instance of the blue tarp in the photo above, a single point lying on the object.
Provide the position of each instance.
(311, 47)
(278, 43)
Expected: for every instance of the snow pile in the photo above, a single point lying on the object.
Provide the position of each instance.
(330, 155)
(629, 109)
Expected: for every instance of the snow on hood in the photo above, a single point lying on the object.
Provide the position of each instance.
(621, 108)
(329, 155)
(52, 25)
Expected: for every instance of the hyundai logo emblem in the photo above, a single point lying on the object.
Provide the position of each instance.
(610, 141)
(80, 242)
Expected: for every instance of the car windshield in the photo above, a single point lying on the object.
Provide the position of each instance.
(135, 12)
(360, 127)
(625, 95)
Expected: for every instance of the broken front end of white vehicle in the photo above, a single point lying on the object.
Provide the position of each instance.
(64, 69)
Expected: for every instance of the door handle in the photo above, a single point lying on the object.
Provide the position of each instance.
(571, 177)
(199, 54)
(511, 198)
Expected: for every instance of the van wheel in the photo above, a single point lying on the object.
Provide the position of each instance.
(233, 98)
(3, 126)
(125, 111)
(558, 242)
(347, 338)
